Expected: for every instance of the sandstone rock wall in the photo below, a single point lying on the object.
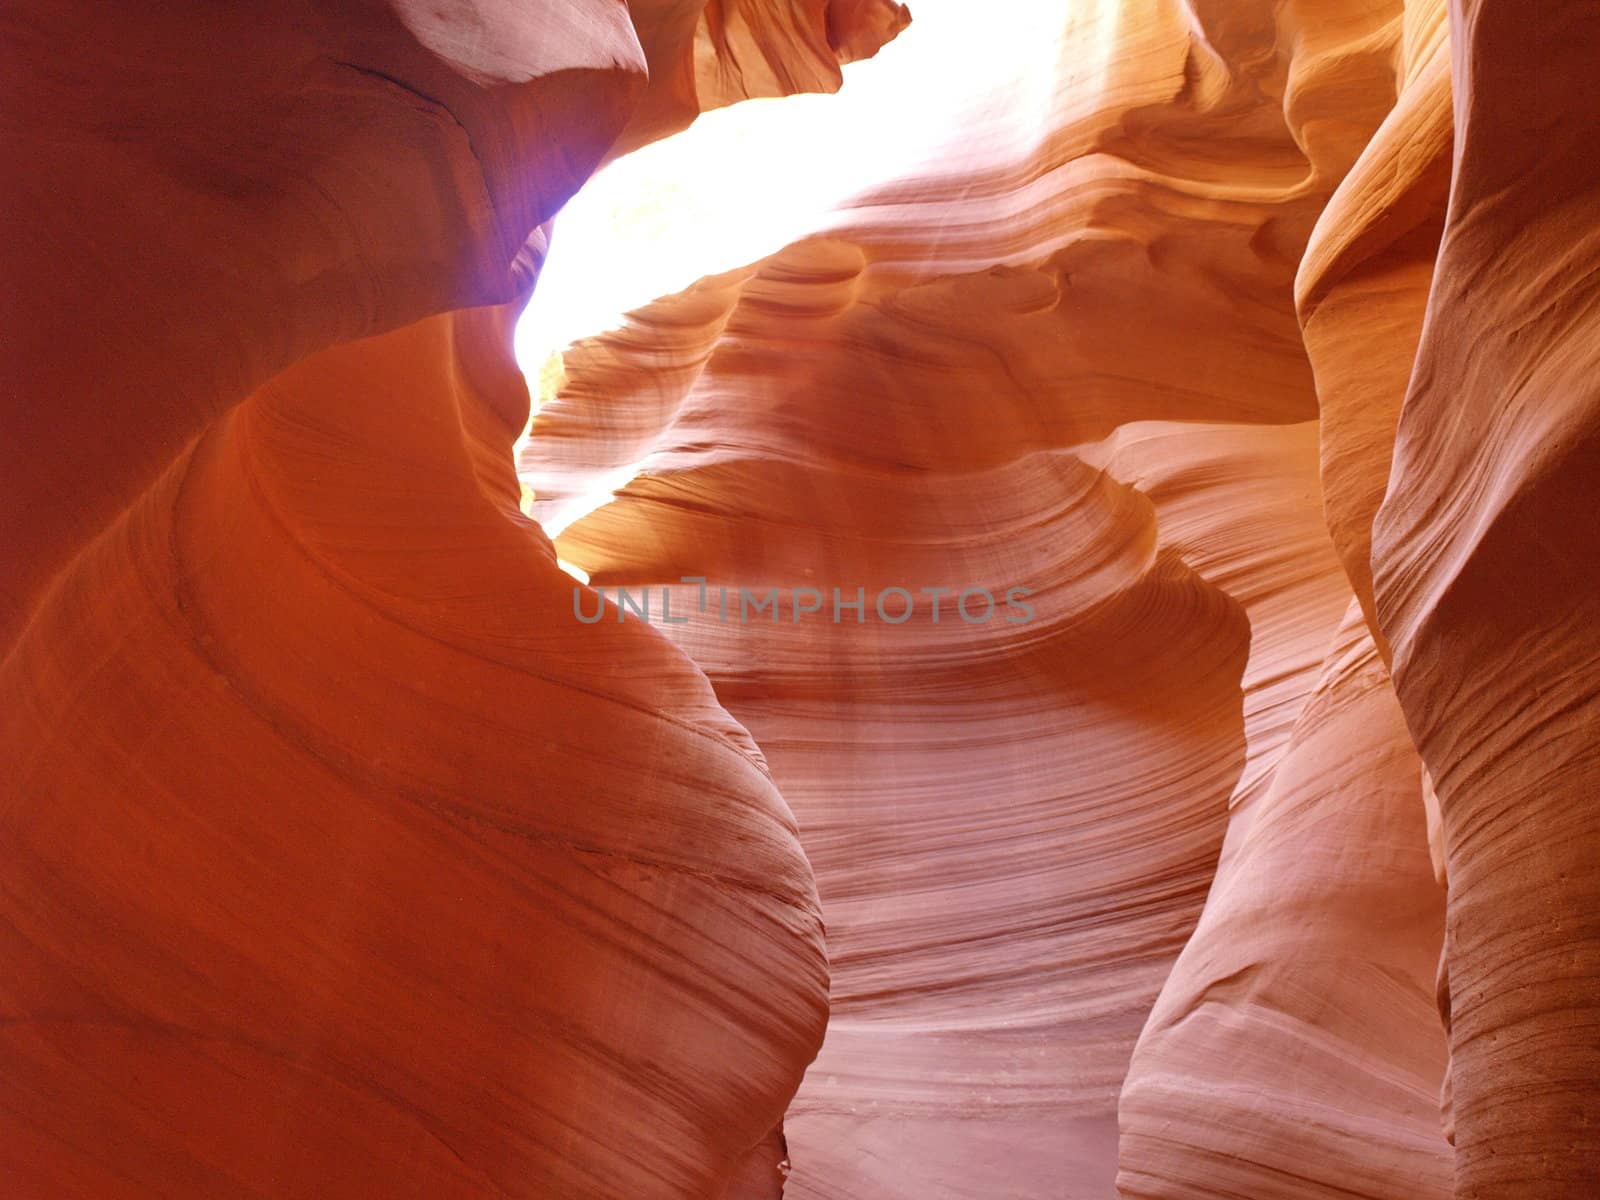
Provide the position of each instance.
(1014, 828)
(332, 866)
(1256, 342)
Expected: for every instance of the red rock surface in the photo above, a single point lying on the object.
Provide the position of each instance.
(341, 857)
(213, 193)
(1254, 337)
(333, 866)
(1014, 829)
(1302, 1006)
(1485, 565)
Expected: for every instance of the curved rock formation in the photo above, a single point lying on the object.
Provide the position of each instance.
(1485, 562)
(993, 944)
(705, 54)
(361, 845)
(198, 221)
(913, 400)
(1478, 550)
(1303, 1005)
(334, 866)
(1363, 285)
(1233, 357)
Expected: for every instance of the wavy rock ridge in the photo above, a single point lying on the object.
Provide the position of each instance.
(342, 857)
(333, 867)
(936, 370)
(1014, 828)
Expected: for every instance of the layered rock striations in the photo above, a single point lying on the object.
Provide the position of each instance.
(354, 885)
(1485, 560)
(1363, 285)
(1240, 846)
(1302, 1008)
(333, 866)
(1015, 826)
(1446, 310)
(212, 194)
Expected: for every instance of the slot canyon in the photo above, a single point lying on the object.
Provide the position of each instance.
(1017, 619)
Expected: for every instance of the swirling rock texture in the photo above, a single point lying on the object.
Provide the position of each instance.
(1485, 564)
(332, 866)
(912, 398)
(1312, 970)
(1014, 827)
(343, 858)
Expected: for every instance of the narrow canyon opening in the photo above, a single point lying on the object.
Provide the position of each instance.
(726, 600)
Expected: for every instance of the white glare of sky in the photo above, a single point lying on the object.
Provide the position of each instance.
(746, 180)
